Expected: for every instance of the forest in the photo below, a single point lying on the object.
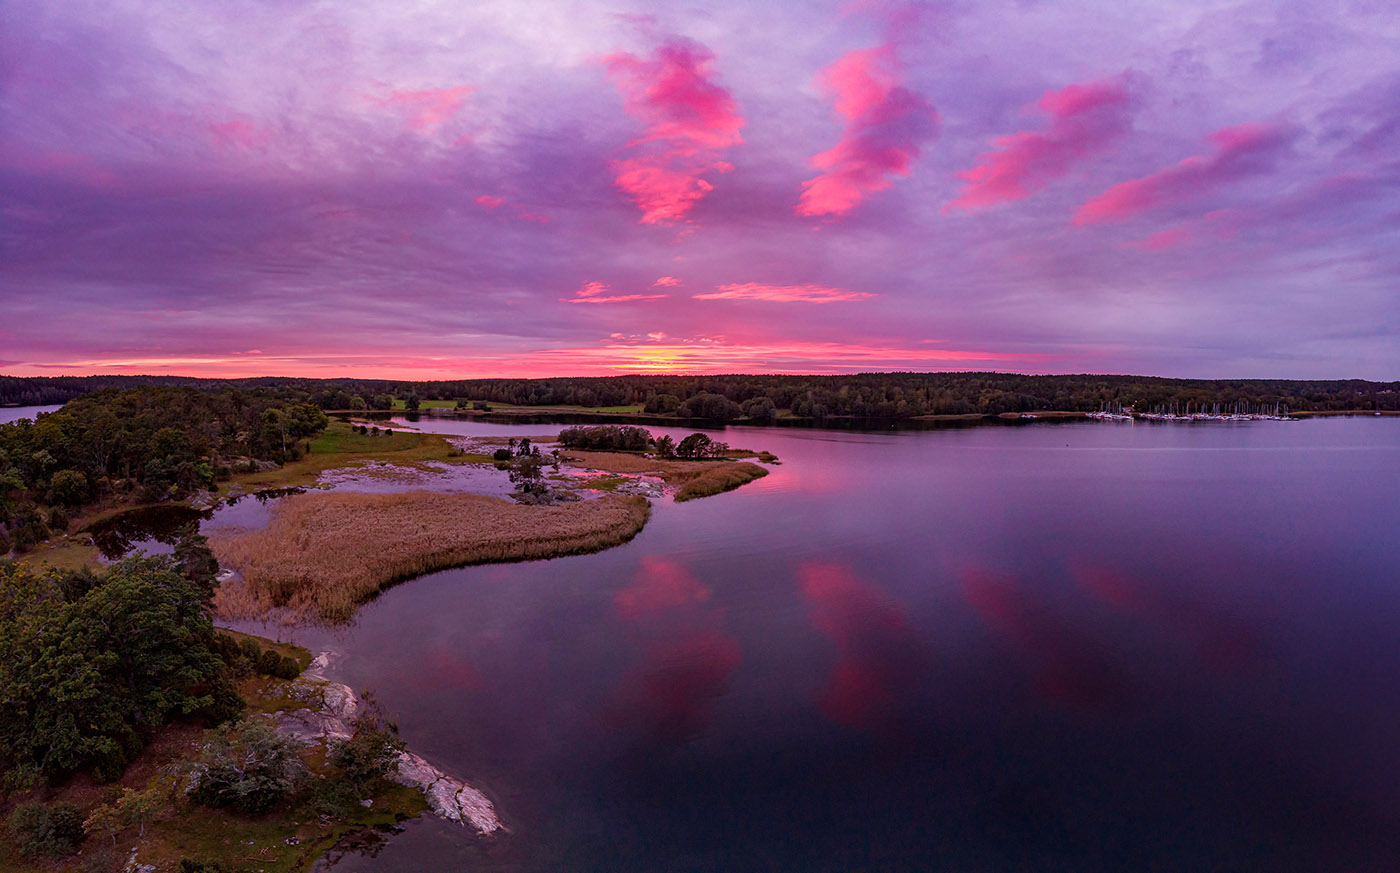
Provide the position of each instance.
(763, 399)
(140, 444)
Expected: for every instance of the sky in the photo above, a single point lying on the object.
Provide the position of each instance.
(445, 189)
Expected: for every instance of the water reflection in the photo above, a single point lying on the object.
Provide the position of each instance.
(874, 645)
(687, 657)
(1071, 648)
(1068, 662)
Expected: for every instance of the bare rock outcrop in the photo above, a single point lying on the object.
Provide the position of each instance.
(329, 716)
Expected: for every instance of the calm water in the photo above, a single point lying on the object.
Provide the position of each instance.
(15, 413)
(1054, 647)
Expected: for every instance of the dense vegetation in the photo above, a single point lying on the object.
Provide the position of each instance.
(147, 443)
(761, 399)
(92, 665)
(97, 670)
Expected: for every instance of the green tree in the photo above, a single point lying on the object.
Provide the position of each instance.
(46, 830)
(69, 488)
(247, 765)
(86, 682)
(372, 751)
(665, 447)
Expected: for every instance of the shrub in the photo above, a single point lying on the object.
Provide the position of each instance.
(46, 831)
(249, 766)
(606, 437)
(4, 542)
(58, 519)
(269, 662)
(287, 668)
(69, 488)
(501, 455)
(371, 753)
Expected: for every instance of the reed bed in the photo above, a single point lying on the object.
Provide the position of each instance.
(695, 478)
(325, 554)
(718, 479)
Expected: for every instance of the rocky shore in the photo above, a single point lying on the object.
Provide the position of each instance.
(329, 715)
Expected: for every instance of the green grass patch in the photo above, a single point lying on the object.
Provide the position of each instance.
(428, 404)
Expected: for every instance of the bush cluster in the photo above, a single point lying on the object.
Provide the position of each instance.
(42, 830)
(609, 437)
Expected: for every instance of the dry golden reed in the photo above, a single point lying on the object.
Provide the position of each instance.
(324, 554)
(718, 479)
(696, 478)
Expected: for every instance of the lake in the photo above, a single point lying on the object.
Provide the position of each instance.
(1083, 646)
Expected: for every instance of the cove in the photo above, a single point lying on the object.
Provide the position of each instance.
(1085, 646)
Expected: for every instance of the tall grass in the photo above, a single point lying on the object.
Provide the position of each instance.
(719, 478)
(695, 478)
(324, 554)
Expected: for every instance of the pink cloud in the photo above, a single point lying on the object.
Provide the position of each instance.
(427, 110)
(690, 121)
(488, 201)
(885, 125)
(1164, 239)
(597, 292)
(239, 132)
(784, 293)
(1240, 151)
(666, 282)
(1085, 120)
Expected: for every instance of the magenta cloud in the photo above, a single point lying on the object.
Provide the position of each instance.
(1085, 121)
(886, 123)
(1241, 151)
(597, 292)
(351, 173)
(784, 293)
(427, 109)
(690, 122)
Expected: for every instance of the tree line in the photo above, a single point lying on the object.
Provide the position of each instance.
(762, 399)
(149, 443)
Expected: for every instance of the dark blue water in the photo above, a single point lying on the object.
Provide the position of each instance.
(1069, 647)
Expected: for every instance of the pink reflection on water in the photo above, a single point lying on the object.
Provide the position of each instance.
(873, 644)
(660, 585)
(1220, 641)
(1070, 665)
(673, 690)
(687, 658)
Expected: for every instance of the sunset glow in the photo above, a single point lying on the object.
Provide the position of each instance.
(1190, 189)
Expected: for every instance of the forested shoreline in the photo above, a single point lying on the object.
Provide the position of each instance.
(144, 444)
(762, 399)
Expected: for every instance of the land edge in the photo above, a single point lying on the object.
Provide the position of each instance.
(447, 797)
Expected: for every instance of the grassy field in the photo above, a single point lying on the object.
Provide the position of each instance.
(428, 404)
(325, 554)
(341, 445)
(510, 408)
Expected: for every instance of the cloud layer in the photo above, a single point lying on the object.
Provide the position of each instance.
(609, 186)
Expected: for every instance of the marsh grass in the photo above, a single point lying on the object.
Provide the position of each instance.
(324, 554)
(718, 479)
(695, 478)
(340, 446)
